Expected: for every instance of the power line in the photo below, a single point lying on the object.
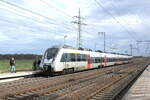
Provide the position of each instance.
(114, 18)
(29, 18)
(48, 4)
(27, 10)
(24, 9)
(33, 19)
(124, 19)
(26, 26)
(32, 29)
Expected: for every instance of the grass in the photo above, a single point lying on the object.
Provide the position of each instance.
(20, 65)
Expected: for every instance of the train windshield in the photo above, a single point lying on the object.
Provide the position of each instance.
(51, 53)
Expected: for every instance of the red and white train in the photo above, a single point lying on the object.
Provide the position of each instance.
(62, 59)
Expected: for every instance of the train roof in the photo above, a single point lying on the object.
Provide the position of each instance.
(89, 50)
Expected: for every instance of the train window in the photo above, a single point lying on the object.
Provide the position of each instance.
(108, 59)
(68, 59)
(63, 58)
(102, 59)
(93, 60)
(73, 57)
(87, 57)
(99, 60)
(78, 57)
(113, 59)
(96, 60)
(83, 58)
(51, 52)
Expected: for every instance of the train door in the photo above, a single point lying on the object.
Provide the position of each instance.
(105, 60)
(89, 62)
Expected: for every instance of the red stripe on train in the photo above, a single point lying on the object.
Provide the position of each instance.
(89, 62)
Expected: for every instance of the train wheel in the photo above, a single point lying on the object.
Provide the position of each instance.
(71, 70)
(64, 72)
(99, 66)
(68, 71)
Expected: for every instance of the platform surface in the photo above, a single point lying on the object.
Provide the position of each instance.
(17, 74)
(141, 88)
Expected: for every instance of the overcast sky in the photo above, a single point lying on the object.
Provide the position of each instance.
(123, 21)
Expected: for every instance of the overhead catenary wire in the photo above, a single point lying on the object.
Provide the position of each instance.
(27, 17)
(131, 29)
(31, 29)
(59, 10)
(29, 26)
(26, 10)
(50, 5)
(34, 13)
(37, 33)
(114, 18)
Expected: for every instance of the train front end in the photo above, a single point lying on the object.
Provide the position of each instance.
(48, 59)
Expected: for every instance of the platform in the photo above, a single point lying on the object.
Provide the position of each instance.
(17, 74)
(141, 88)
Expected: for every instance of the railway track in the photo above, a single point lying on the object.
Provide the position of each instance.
(113, 91)
(93, 84)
